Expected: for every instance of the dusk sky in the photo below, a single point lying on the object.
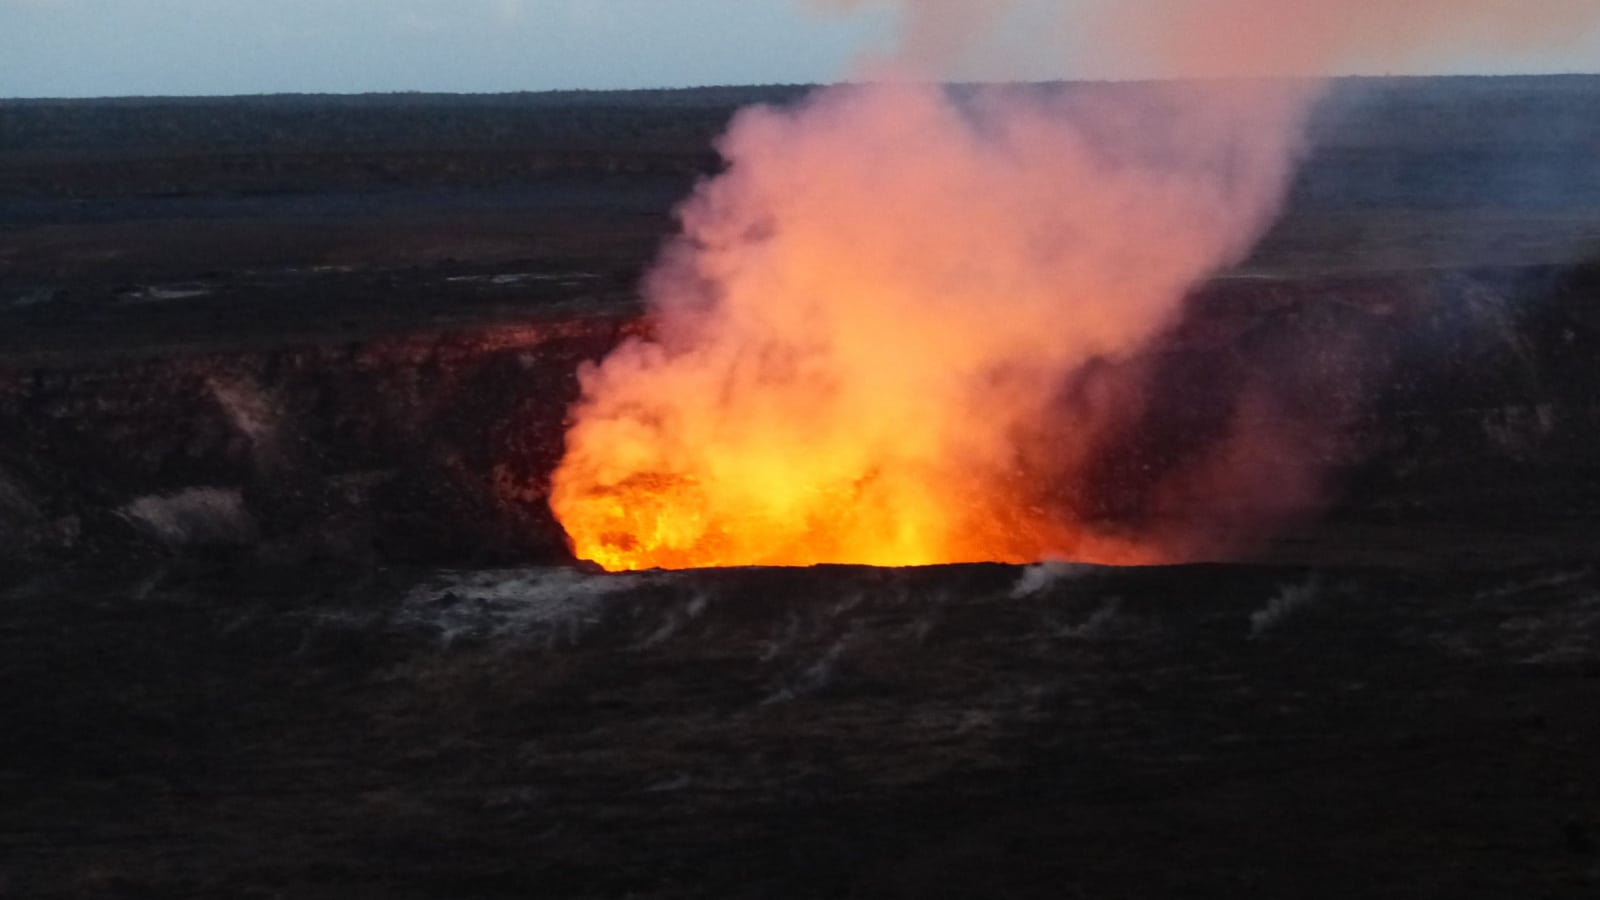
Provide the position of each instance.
(64, 48)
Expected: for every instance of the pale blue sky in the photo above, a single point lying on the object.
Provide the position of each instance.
(101, 47)
(65, 48)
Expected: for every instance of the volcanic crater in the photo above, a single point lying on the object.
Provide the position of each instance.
(287, 612)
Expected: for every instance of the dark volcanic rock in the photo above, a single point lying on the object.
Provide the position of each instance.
(945, 732)
(429, 446)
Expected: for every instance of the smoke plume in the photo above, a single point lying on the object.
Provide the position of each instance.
(883, 333)
(1225, 38)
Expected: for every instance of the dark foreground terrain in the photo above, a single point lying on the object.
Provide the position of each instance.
(983, 731)
(283, 612)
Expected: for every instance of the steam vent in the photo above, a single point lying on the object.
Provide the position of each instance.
(1155, 489)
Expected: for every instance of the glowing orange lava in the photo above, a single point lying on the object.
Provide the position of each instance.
(676, 522)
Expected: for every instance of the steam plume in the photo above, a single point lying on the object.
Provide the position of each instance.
(1234, 38)
(866, 330)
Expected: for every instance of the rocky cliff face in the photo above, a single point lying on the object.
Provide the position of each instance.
(415, 447)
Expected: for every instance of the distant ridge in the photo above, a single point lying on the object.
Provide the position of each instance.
(701, 95)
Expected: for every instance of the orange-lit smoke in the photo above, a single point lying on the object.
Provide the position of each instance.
(863, 334)
(1228, 38)
(1253, 38)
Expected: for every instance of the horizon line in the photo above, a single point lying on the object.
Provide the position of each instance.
(775, 85)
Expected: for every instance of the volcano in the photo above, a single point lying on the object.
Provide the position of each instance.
(287, 609)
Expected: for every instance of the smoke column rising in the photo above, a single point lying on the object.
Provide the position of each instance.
(869, 319)
(1231, 38)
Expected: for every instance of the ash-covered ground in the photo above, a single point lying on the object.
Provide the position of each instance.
(283, 611)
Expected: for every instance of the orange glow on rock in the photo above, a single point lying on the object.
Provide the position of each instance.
(675, 523)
